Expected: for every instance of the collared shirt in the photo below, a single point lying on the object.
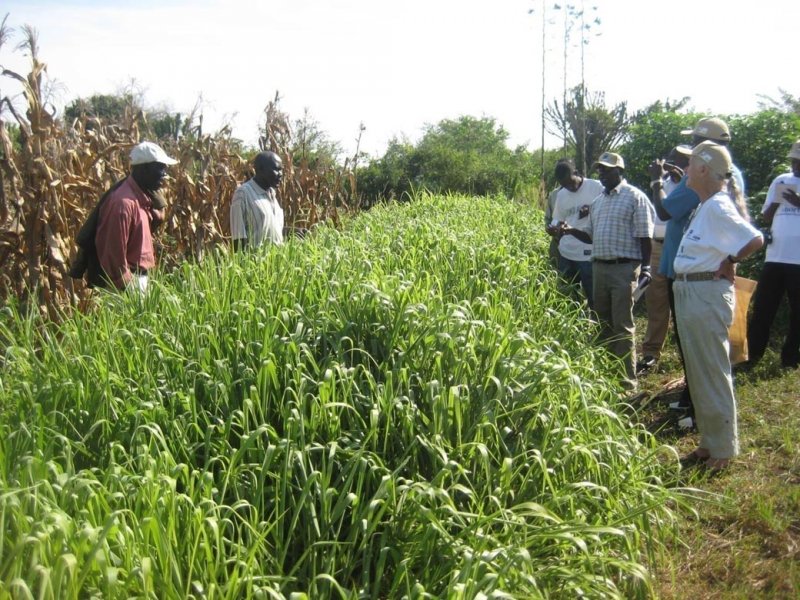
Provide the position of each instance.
(617, 221)
(124, 240)
(256, 215)
(716, 231)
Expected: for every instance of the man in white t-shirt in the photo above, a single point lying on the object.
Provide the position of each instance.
(573, 202)
(256, 216)
(717, 238)
(781, 271)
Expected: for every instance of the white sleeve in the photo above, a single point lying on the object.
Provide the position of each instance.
(557, 212)
(771, 194)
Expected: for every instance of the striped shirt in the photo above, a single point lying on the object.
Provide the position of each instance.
(256, 215)
(617, 220)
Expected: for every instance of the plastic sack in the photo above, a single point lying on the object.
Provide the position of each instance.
(737, 333)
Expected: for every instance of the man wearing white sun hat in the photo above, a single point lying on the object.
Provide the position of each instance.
(124, 238)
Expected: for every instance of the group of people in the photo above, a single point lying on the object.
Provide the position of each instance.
(681, 243)
(129, 213)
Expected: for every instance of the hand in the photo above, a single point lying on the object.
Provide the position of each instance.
(156, 217)
(674, 170)
(557, 230)
(727, 270)
(792, 198)
(656, 169)
(645, 277)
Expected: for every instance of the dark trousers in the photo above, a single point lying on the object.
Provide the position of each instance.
(686, 396)
(775, 280)
(575, 271)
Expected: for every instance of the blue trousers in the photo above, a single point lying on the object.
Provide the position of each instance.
(575, 271)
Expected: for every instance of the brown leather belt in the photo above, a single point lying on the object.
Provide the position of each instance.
(706, 276)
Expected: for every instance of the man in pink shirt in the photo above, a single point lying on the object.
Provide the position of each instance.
(124, 239)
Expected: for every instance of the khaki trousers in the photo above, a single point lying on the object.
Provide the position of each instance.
(613, 303)
(704, 311)
(657, 298)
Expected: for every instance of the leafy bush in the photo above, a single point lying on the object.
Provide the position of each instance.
(466, 155)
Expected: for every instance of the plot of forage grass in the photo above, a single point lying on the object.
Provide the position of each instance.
(407, 408)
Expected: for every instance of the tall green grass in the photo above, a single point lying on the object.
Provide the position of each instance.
(407, 408)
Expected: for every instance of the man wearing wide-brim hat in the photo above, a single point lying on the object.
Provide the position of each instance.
(124, 238)
(781, 271)
(676, 209)
(620, 228)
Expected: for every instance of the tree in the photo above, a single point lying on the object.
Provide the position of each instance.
(466, 155)
(786, 103)
(390, 176)
(312, 144)
(652, 133)
(591, 127)
(759, 145)
(108, 107)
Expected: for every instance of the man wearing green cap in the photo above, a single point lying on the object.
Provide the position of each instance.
(620, 228)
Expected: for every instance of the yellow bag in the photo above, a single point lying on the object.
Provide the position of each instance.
(737, 334)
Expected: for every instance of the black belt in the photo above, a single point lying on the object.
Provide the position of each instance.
(614, 261)
(659, 240)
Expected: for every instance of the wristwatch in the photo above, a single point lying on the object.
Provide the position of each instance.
(733, 260)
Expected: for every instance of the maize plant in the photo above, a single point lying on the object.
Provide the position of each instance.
(54, 172)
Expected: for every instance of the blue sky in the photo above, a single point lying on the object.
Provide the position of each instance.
(396, 66)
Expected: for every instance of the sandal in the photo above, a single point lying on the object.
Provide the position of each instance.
(695, 457)
(715, 466)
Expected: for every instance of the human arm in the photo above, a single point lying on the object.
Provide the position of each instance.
(657, 193)
(727, 268)
(549, 213)
(769, 214)
(646, 245)
(792, 198)
(237, 221)
(579, 234)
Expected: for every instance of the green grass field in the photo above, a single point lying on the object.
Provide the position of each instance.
(744, 542)
(408, 407)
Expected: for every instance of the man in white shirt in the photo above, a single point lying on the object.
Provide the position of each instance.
(572, 206)
(256, 216)
(781, 271)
